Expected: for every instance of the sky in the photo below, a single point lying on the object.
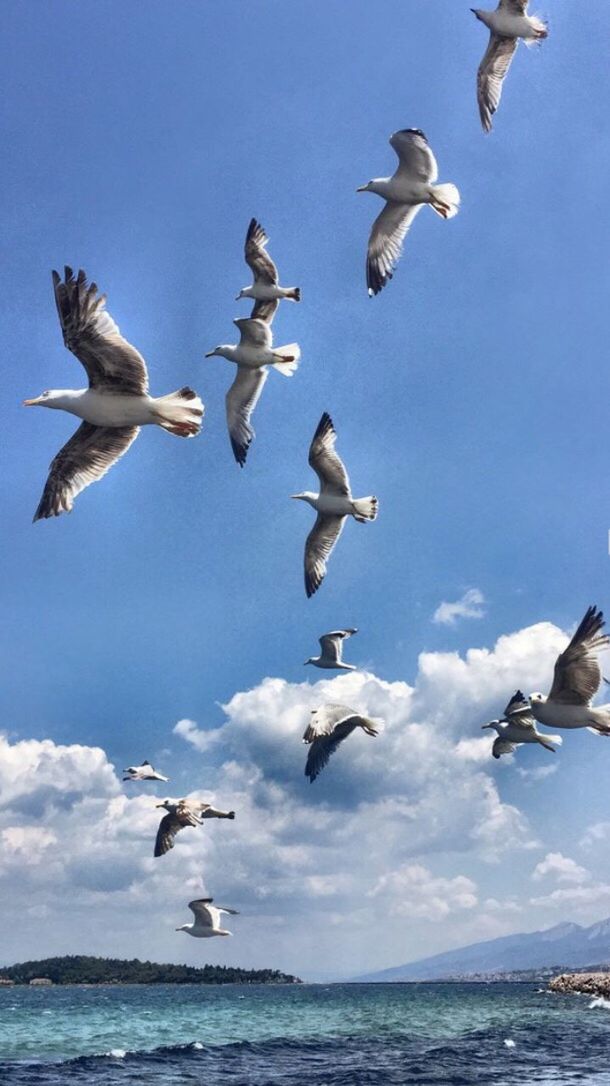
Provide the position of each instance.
(165, 618)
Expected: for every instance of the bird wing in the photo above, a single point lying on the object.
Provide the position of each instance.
(502, 746)
(577, 672)
(84, 459)
(326, 745)
(206, 916)
(492, 70)
(169, 826)
(385, 243)
(326, 463)
(258, 260)
(92, 335)
(518, 712)
(415, 159)
(324, 720)
(253, 332)
(318, 548)
(332, 643)
(515, 7)
(265, 311)
(241, 399)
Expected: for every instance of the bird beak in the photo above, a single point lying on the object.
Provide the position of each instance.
(362, 188)
(31, 403)
(295, 495)
(483, 726)
(210, 354)
(237, 297)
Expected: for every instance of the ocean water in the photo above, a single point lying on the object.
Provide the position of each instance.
(302, 1035)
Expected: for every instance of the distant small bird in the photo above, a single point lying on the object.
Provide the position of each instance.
(506, 24)
(328, 727)
(253, 354)
(518, 726)
(265, 289)
(576, 680)
(333, 504)
(143, 772)
(207, 919)
(331, 645)
(405, 193)
(181, 813)
(114, 406)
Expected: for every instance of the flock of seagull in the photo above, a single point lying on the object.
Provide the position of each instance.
(117, 403)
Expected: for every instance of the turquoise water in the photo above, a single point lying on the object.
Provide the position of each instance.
(328, 1035)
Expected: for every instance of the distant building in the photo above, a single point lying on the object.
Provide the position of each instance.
(41, 981)
(6, 981)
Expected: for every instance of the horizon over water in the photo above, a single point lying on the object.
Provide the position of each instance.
(466, 1034)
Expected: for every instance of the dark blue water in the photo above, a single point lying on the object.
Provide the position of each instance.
(338, 1035)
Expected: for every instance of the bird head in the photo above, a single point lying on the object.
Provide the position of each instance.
(217, 350)
(309, 661)
(50, 398)
(242, 294)
(166, 804)
(183, 927)
(365, 188)
(537, 696)
(306, 496)
(476, 12)
(492, 724)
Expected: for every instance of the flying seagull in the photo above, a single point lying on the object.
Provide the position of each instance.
(405, 193)
(265, 289)
(506, 25)
(331, 656)
(114, 406)
(518, 726)
(333, 504)
(143, 772)
(253, 354)
(181, 813)
(328, 727)
(207, 919)
(576, 680)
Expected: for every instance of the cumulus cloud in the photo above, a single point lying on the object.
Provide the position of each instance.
(413, 891)
(470, 605)
(560, 867)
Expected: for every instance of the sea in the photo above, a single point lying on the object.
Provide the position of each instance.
(302, 1035)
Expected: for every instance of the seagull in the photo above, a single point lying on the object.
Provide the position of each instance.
(207, 919)
(143, 772)
(331, 645)
(114, 406)
(333, 504)
(405, 193)
(518, 726)
(328, 727)
(576, 680)
(181, 813)
(506, 24)
(265, 289)
(253, 354)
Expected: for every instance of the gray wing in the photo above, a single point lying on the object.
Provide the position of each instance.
(322, 749)
(253, 333)
(415, 159)
(241, 400)
(169, 826)
(577, 672)
(332, 644)
(84, 459)
(318, 548)
(385, 243)
(326, 463)
(205, 916)
(518, 711)
(324, 720)
(515, 7)
(502, 746)
(490, 76)
(93, 337)
(265, 311)
(258, 260)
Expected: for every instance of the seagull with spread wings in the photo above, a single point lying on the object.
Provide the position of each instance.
(143, 772)
(518, 726)
(331, 655)
(328, 727)
(182, 813)
(576, 680)
(333, 504)
(412, 186)
(253, 354)
(207, 919)
(114, 406)
(507, 24)
(265, 288)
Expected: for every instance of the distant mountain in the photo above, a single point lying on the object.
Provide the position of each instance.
(566, 945)
(79, 969)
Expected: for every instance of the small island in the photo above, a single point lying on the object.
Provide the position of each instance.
(80, 969)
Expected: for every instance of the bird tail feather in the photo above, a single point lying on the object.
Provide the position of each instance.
(365, 508)
(445, 200)
(288, 358)
(180, 412)
(550, 742)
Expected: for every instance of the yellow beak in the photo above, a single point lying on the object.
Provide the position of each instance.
(30, 403)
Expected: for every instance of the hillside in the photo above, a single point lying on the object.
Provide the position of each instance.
(560, 948)
(79, 969)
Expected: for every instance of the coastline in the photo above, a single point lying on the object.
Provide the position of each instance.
(596, 984)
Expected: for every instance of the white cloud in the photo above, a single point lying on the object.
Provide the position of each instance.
(595, 834)
(413, 891)
(539, 773)
(560, 867)
(471, 605)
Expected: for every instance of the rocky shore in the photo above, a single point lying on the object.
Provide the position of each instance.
(596, 984)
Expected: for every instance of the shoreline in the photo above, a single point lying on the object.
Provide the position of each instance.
(596, 984)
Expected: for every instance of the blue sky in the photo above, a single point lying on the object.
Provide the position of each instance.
(470, 395)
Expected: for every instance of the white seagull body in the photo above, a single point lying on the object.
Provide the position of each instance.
(328, 727)
(181, 813)
(114, 406)
(507, 24)
(252, 354)
(518, 726)
(333, 504)
(207, 919)
(576, 680)
(412, 186)
(265, 290)
(143, 772)
(331, 656)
